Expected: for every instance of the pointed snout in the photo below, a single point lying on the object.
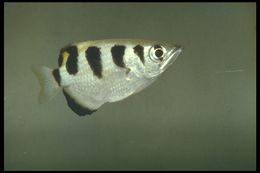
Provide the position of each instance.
(172, 56)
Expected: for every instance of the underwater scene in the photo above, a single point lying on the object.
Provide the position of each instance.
(130, 86)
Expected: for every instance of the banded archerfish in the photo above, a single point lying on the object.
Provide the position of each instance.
(92, 73)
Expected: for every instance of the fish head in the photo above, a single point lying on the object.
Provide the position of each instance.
(159, 57)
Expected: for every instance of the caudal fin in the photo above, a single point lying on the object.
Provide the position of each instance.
(49, 86)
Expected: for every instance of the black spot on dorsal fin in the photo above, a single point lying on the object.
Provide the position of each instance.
(94, 60)
(139, 51)
(118, 52)
(75, 107)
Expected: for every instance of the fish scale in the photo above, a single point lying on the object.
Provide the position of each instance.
(93, 73)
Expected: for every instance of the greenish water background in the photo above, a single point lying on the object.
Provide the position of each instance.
(199, 115)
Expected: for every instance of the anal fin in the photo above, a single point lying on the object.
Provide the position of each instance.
(76, 107)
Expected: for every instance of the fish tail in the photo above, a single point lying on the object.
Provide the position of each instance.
(49, 82)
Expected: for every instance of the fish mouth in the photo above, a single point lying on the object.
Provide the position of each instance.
(172, 55)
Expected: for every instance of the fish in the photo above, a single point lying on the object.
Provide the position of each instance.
(95, 72)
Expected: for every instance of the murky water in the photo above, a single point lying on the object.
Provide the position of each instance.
(199, 115)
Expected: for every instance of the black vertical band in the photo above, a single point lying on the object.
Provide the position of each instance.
(139, 51)
(72, 62)
(93, 56)
(118, 52)
(56, 75)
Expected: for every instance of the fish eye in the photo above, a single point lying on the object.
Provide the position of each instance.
(157, 53)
